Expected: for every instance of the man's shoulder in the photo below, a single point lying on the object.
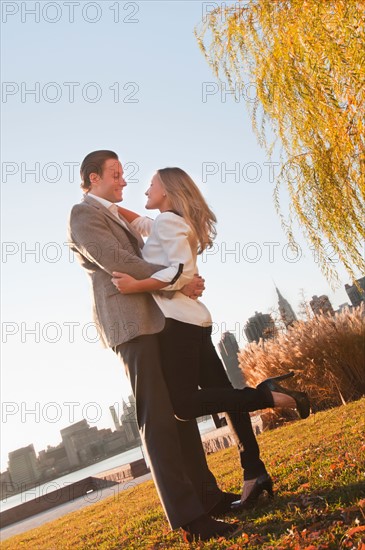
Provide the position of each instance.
(75, 210)
(76, 206)
(81, 214)
(82, 207)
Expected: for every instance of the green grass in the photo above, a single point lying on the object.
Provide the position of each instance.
(318, 467)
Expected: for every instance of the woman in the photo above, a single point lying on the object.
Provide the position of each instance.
(184, 228)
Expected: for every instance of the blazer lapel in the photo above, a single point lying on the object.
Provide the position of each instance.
(127, 227)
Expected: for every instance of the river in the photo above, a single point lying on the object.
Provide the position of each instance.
(93, 469)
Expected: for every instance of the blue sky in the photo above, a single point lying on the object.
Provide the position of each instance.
(169, 112)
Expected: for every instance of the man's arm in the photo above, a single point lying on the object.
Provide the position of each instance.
(129, 285)
(91, 236)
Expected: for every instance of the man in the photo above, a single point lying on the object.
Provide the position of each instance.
(104, 242)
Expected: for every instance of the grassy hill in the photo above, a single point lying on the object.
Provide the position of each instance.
(318, 467)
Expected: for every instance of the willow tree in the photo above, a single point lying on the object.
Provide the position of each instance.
(306, 60)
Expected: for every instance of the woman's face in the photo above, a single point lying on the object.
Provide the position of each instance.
(156, 195)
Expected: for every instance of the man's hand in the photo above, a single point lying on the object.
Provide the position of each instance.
(125, 283)
(195, 288)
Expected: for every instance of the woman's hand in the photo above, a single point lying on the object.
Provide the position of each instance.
(125, 283)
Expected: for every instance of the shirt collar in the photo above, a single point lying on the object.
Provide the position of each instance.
(102, 201)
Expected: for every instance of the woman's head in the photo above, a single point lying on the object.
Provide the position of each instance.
(181, 195)
(157, 196)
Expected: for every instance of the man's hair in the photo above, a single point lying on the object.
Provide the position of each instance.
(93, 163)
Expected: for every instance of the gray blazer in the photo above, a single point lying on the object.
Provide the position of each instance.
(102, 245)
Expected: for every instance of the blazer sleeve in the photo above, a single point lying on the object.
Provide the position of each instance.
(90, 235)
(173, 234)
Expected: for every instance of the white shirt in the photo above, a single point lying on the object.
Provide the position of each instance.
(110, 206)
(171, 242)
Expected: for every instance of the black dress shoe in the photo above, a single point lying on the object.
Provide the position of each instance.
(205, 528)
(224, 505)
(301, 398)
(262, 483)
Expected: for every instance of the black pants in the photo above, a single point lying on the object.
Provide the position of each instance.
(190, 361)
(186, 487)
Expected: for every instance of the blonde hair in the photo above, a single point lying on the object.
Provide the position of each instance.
(186, 199)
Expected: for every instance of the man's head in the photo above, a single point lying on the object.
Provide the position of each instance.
(102, 175)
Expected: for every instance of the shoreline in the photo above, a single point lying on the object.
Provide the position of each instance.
(213, 441)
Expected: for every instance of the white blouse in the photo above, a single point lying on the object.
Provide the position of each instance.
(170, 242)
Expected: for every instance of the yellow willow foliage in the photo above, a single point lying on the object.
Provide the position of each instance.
(306, 59)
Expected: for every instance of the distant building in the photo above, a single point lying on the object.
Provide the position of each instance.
(356, 296)
(321, 305)
(6, 486)
(69, 437)
(261, 325)
(90, 444)
(286, 311)
(228, 348)
(128, 421)
(23, 466)
(115, 418)
(343, 307)
(127, 424)
(85, 444)
(115, 443)
(53, 461)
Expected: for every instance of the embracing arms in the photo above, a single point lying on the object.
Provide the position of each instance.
(172, 234)
(91, 236)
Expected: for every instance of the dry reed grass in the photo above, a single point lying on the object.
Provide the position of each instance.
(327, 353)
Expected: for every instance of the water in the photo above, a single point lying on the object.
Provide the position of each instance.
(93, 469)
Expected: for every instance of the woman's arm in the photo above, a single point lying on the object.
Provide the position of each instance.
(129, 215)
(141, 224)
(172, 233)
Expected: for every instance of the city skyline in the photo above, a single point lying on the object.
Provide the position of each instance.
(80, 446)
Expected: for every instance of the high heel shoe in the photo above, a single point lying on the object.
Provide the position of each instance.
(262, 483)
(301, 398)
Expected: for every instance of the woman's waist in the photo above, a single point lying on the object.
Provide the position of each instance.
(183, 308)
(179, 298)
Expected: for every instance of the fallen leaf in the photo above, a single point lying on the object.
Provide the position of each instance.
(355, 530)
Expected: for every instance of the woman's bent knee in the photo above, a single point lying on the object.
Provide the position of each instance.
(184, 411)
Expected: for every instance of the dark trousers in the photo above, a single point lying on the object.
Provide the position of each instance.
(186, 487)
(190, 361)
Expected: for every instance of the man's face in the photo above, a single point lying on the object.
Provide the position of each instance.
(110, 185)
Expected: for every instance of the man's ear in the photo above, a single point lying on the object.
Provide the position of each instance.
(94, 178)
